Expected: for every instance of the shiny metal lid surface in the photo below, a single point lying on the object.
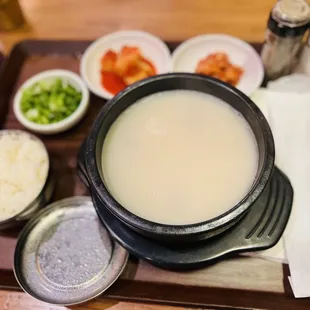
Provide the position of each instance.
(292, 13)
(65, 255)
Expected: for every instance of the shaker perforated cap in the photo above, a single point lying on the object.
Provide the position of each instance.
(292, 12)
(65, 255)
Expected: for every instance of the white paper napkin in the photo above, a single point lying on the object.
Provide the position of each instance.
(289, 117)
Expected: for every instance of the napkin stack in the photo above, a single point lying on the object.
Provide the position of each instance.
(287, 109)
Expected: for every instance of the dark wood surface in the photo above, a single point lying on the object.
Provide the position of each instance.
(237, 283)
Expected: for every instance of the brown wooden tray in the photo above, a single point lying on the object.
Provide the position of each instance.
(239, 283)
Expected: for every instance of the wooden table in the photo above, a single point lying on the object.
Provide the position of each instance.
(21, 301)
(170, 19)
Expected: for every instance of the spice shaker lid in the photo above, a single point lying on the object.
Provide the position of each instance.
(289, 18)
(292, 13)
(65, 255)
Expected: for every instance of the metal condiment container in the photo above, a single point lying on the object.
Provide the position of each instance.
(11, 16)
(304, 61)
(287, 24)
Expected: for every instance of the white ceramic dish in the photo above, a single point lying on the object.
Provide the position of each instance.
(75, 81)
(151, 47)
(187, 55)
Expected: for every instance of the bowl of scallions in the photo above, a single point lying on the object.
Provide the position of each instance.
(51, 101)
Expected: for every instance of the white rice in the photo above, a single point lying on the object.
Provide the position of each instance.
(24, 168)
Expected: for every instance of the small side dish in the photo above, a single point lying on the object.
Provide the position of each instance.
(51, 102)
(222, 56)
(47, 103)
(121, 58)
(218, 65)
(24, 166)
(119, 70)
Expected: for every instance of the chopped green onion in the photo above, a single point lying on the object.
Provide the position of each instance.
(47, 103)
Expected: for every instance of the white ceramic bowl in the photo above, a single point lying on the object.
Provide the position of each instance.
(187, 55)
(151, 47)
(44, 195)
(74, 80)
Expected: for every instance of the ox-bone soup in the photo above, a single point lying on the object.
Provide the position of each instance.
(179, 157)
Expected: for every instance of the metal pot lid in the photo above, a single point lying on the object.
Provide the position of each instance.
(65, 256)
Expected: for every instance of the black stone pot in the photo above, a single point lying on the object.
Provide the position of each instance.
(187, 81)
